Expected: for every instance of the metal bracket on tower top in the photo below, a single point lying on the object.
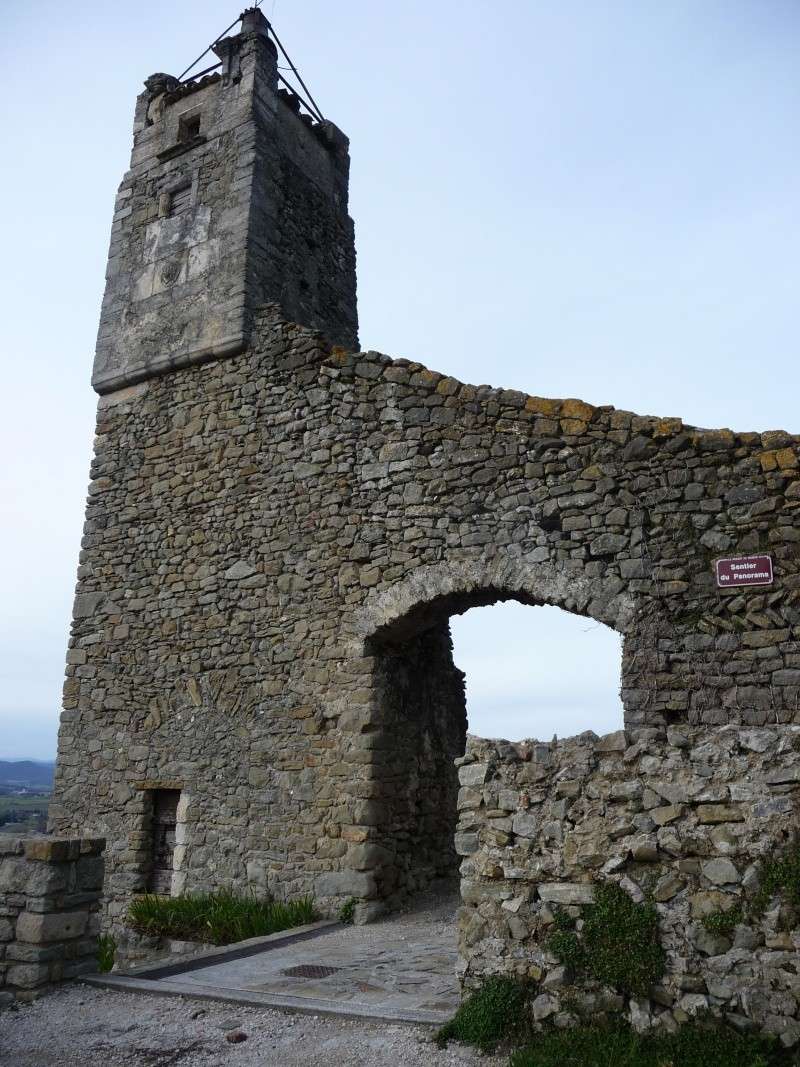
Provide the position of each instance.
(251, 19)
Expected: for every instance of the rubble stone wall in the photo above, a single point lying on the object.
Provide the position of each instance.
(50, 893)
(272, 540)
(686, 816)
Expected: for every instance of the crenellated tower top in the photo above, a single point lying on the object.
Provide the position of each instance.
(236, 196)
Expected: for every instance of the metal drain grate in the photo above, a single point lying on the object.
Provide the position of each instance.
(310, 970)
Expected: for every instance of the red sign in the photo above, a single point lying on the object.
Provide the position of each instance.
(744, 570)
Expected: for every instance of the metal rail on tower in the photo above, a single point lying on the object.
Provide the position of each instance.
(309, 104)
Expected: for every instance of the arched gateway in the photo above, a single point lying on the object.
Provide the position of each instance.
(260, 688)
(414, 725)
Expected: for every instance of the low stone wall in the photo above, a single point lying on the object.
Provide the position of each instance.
(50, 891)
(686, 818)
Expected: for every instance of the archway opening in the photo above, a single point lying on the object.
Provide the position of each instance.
(537, 673)
(423, 703)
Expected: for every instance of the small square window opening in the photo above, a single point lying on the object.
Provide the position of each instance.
(189, 128)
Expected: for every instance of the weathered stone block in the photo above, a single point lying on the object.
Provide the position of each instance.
(664, 815)
(28, 953)
(566, 893)
(708, 902)
(27, 975)
(720, 871)
(368, 855)
(13, 875)
(783, 776)
(786, 677)
(466, 843)
(473, 774)
(525, 824)
(544, 1006)
(58, 926)
(345, 884)
(715, 813)
(469, 798)
(616, 742)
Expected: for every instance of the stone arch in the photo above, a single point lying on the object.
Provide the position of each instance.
(403, 740)
(440, 590)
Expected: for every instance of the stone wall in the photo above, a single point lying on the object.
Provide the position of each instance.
(272, 536)
(687, 816)
(50, 890)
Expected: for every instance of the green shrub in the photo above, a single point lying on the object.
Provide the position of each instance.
(106, 950)
(617, 1045)
(619, 944)
(564, 943)
(494, 1013)
(219, 918)
(347, 911)
(723, 923)
(780, 874)
(586, 1046)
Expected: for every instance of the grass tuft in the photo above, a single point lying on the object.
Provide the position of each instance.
(106, 950)
(219, 918)
(616, 1045)
(347, 912)
(494, 1013)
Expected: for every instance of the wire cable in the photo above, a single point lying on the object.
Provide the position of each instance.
(315, 110)
(311, 105)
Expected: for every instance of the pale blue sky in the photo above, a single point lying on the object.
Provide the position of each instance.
(571, 197)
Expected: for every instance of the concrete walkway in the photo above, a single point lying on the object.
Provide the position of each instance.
(401, 969)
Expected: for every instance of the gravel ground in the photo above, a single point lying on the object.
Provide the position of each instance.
(79, 1026)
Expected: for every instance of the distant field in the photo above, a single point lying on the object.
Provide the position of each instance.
(33, 806)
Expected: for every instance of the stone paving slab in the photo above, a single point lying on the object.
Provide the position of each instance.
(400, 969)
(170, 987)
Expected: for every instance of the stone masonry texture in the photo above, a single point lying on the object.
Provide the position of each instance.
(50, 892)
(687, 815)
(277, 535)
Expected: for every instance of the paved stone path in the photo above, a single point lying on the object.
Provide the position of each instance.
(381, 969)
(398, 969)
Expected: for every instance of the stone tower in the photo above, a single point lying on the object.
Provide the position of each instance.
(260, 688)
(234, 199)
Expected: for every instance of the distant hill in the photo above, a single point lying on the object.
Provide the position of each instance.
(26, 773)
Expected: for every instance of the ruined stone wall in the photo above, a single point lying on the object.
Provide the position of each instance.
(50, 892)
(687, 816)
(270, 536)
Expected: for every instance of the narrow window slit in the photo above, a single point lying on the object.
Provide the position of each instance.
(165, 821)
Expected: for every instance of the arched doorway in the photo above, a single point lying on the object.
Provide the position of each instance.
(417, 723)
